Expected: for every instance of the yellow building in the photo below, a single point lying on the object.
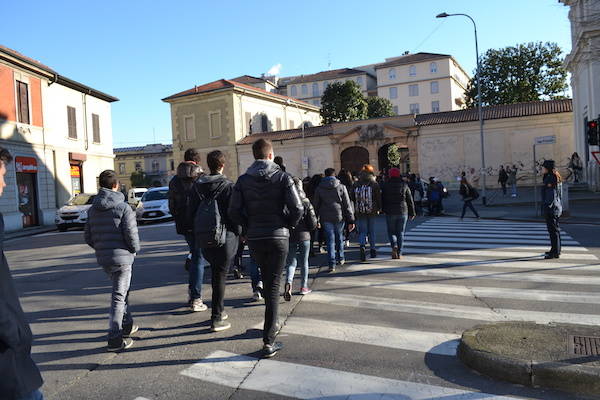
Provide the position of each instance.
(155, 160)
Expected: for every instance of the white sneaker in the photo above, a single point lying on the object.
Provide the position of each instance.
(257, 296)
(197, 305)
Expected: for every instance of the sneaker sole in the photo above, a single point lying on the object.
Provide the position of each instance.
(270, 355)
(221, 328)
(199, 309)
(134, 330)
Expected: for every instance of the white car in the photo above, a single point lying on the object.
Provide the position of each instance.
(154, 206)
(134, 195)
(75, 212)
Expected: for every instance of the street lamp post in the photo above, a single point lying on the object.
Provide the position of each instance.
(480, 111)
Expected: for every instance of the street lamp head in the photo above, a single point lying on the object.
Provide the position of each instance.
(442, 15)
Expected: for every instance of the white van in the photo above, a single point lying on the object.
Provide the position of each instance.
(134, 196)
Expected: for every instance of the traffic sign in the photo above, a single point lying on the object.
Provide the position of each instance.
(596, 155)
(545, 139)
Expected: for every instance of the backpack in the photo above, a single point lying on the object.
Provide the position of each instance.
(209, 229)
(310, 218)
(363, 196)
(473, 193)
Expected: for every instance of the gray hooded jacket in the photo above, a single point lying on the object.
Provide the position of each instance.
(111, 229)
(332, 202)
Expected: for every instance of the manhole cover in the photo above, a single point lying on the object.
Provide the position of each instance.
(584, 345)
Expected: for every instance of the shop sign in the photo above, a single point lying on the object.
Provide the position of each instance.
(75, 171)
(27, 165)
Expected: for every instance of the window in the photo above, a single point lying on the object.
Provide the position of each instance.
(393, 93)
(291, 124)
(435, 106)
(412, 70)
(172, 164)
(188, 128)
(264, 123)
(392, 73)
(396, 110)
(293, 91)
(433, 68)
(435, 87)
(96, 128)
(155, 166)
(413, 90)
(138, 166)
(122, 170)
(359, 80)
(214, 124)
(22, 102)
(325, 84)
(304, 89)
(315, 89)
(278, 123)
(414, 108)
(72, 122)
(248, 117)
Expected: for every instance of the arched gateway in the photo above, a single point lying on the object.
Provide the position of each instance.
(353, 158)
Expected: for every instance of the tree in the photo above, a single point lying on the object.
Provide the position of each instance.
(393, 155)
(140, 179)
(379, 107)
(343, 102)
(526, 72)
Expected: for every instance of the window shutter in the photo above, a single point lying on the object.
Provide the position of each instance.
(23, 102)
(96, 127)
(72, 122)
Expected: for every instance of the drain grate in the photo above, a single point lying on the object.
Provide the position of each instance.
(584, 345)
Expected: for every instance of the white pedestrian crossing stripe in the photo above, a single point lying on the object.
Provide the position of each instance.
(503, 252)
(308, 382)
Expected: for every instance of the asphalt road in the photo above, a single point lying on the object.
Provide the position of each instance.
(384, 329)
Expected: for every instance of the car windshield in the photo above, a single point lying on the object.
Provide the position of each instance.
(81, 199)
(139, 194)
(156, 195)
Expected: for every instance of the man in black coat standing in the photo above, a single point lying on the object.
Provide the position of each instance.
(266, 204)
(19, 376)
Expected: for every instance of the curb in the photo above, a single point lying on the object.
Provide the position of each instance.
(32, 232)
(577, 379)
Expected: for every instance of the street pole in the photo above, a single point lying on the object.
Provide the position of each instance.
(479, 105)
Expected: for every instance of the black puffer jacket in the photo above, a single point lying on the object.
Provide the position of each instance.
(180, 195)
(111, 229)
(265, 202)
(397, 198)
(302, 232)
(19, 375)
(332, 202)
(206, 186)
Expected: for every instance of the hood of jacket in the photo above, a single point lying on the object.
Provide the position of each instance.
(209, 183)
(188, 170)
(107, 199)
(264, 169)
(330, 182)
(365, 178)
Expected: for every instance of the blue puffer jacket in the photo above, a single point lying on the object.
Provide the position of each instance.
(111, 229)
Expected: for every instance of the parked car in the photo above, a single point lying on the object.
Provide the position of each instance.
(134, 195)
(74, 213)
(154, 206)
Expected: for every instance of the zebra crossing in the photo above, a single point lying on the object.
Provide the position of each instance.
(389, 329)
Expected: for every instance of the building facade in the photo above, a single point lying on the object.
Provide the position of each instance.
(60, 133)
(219, 114)
(584, 65)
(154, 160)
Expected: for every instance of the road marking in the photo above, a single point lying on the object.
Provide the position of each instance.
(496, 235)
(457, 221)
(307, 382)
(450, 310)
(440, 271)
(413, 243)
(404, 339)
(500, 252)
(468, 241)
(474, 291)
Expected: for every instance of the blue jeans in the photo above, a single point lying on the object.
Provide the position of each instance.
(366, 226)
(35, 395)
(119, 314)
(301, 248)
(334, 232)
(395, 227)
(196, 271)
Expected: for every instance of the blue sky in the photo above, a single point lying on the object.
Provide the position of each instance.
(143, 51)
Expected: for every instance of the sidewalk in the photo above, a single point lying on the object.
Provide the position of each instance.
(29, 231)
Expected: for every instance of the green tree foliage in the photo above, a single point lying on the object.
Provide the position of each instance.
(379, 107)
(526, 72)
(140, 179)
(393, 155)
(343, 102)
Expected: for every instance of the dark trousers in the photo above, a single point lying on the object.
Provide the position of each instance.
(469, 204)
(503, 184)
(270, 255)
(553, 231)
(220, 258)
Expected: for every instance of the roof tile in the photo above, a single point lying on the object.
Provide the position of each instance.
(313, 131)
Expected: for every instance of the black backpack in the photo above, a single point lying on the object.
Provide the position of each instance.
(209, 229)
(473, 193)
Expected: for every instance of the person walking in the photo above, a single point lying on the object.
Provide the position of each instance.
(367, 200)
(398, 206)
(502, 179)
(181, 192)
(20, 377)
(334, 210)
(111, 230)
(215, 233)
(434, 196)
(576, 166)
(345, 178)
(468, 193)
(266, 204)
(317, 235)
(552, 206)
(299, 245)
(512, 179)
